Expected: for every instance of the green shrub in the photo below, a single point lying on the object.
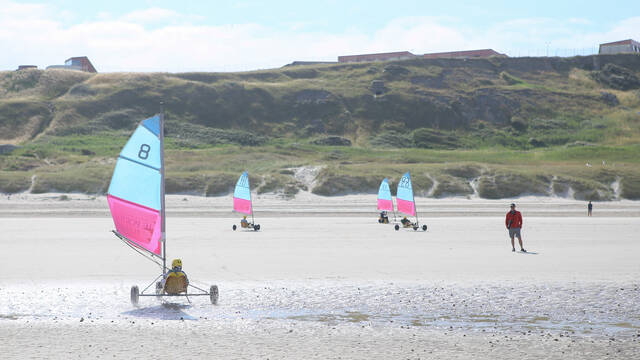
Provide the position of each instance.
(451, 186)
(14, 182)
(220, 184)
(434, 139)
(503, 185)
(72, 180)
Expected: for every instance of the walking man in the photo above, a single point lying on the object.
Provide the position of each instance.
(589, 208)
(514, 224)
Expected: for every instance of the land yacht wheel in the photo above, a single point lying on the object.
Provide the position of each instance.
(213, 294)
(135, 295)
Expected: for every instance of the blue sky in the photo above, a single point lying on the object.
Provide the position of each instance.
(180, 36)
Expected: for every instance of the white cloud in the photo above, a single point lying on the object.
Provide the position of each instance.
(156, 15)
(139, 41)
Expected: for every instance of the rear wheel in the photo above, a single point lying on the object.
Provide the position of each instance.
(135, 295)
(415, 228)
(213, 294)
(397, 227)
(234, 228)
(424, 227)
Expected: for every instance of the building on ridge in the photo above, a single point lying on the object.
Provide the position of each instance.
(400, 55)
(79, 63)
(620, 47)
(466, 54)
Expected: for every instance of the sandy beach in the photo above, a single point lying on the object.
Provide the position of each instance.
(323, 280)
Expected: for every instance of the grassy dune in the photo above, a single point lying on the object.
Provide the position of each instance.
(493, 127)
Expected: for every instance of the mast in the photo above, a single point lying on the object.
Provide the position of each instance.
(250, 198)
(163, 236)
(415, 208)
(393, 206)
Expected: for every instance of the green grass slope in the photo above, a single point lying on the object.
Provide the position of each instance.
(494, 128)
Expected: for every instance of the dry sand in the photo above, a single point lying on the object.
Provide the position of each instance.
(323, 280)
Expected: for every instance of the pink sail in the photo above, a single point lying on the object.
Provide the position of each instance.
(242, 205)
(407, 207)
(139, 224)
(385, 204)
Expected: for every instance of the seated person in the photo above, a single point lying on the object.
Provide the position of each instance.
(405, 222)
(176, 280)
(244, 223)
(383, 217)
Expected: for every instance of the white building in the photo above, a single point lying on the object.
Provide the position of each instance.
(620, 47)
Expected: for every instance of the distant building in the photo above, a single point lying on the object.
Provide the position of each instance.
(400, 55)
(468, 54)
(80, 63)
(302, 63)
(620, 47)
(25, 67)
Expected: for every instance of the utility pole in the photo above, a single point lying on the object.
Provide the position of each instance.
(548, 43)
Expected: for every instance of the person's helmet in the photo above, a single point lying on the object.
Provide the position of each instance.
(176, 263)
(244, 217)
(405, 218)
(513, 205)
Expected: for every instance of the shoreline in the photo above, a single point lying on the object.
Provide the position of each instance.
(310, 205)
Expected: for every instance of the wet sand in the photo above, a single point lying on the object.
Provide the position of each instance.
(326, 283)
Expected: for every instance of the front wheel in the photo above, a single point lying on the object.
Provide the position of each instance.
(424, 227)
(135, 295)
(397, 227)
(234, 228)
(256, 227)
(213, 294)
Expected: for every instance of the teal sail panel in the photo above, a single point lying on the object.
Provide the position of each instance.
(242, 190)
(137, 177)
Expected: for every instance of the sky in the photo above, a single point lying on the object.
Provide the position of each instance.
(220, 35)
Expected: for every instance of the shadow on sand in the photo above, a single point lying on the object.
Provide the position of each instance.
(165, 311)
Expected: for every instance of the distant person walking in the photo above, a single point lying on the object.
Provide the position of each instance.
(589, 208)
(513, 222)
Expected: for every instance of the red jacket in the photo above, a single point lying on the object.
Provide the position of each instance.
(513, 219)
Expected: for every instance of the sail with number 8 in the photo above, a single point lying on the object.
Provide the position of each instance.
(136, 192)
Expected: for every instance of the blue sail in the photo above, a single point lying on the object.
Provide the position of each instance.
(135, 193)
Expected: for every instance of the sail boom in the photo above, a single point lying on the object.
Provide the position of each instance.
(131, 243)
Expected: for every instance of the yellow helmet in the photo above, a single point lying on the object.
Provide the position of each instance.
(244, 217)
(176, 263)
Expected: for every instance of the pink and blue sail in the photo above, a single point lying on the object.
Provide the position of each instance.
(135, 194)
(385, 201)
(404, 196)
(242, 195)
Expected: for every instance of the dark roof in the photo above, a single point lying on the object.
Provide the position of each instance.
(373, 57)
(622, 42)
(465, 53)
